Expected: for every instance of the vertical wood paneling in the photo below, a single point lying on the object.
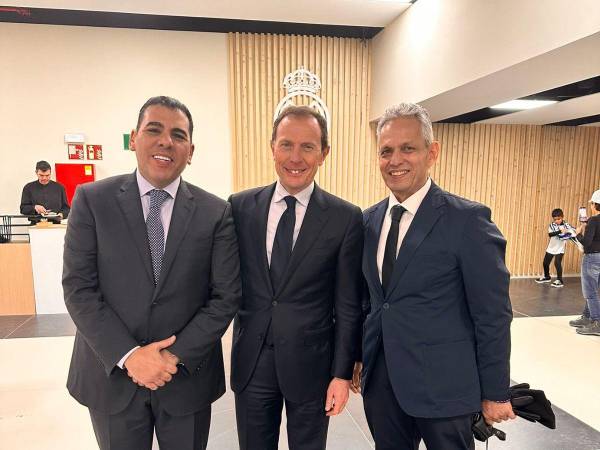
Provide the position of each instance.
(258, 64)
(521, 172)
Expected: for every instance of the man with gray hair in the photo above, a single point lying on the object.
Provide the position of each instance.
(436, 341)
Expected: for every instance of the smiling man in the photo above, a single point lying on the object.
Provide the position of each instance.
(299, 325)
(436, 341)
(151, 280)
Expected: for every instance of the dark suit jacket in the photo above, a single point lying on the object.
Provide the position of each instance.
(315, 315)
(445, 322)
(110, 293)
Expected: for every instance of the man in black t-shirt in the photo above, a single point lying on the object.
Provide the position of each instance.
(44, 195)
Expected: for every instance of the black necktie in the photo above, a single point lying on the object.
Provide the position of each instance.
(283, 242)
(389, 257)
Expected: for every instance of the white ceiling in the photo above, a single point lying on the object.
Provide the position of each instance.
(568, 64)
(373, 13)
(576, 61)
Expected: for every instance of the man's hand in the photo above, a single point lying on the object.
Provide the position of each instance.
(40, 209)
(147, 367)
(169, 357)
(356, 377)
(494, 412)
(337, 396)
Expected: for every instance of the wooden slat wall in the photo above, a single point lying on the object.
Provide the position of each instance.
(258, 63)
(521, 172)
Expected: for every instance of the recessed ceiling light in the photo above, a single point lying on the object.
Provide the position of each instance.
(523, 104)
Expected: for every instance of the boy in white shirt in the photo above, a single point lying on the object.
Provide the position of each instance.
(560, 232)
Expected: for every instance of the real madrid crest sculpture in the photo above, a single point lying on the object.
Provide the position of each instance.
(303, 85)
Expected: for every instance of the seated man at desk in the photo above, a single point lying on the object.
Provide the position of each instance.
(44, 196)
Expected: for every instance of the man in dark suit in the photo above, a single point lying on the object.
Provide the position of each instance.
(151, 280)
(436, 341)
(299, 325)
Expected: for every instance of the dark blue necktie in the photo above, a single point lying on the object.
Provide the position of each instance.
(156, 232)
(283, 242)
(391, 244)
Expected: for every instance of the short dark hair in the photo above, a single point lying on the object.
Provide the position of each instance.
(303, 111)
(42, 166)
(168, 102)
(557, 213)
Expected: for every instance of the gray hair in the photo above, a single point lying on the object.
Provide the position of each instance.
(408, 110)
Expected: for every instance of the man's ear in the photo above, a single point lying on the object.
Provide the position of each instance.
(433, 153)
(132, 137)
(189, 161)
(324, 154)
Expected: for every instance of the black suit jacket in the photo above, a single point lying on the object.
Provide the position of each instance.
(110, 293)
(315, 314)
(445, 321)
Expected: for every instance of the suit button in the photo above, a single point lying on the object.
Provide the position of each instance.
(154, 303)
(274, 303)
(386, 306)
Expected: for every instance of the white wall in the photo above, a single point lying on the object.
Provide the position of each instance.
(60, 79)
(438, 45)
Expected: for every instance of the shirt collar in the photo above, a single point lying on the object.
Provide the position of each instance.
(302, 197)
(412, 203)
(145, 186)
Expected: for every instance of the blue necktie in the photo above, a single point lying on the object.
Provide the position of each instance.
(391, 244)
(283, 242)
(156, 232)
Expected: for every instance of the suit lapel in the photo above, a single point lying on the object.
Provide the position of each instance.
(314, 220)
(372, 235)
(183, 211)
(262, 201)
(426, 217)
(130, 203)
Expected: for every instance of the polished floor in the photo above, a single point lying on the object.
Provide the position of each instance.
(36, 411)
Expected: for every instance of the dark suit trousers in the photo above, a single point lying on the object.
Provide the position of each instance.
(258, 412)
(132, 428)
(393, 429)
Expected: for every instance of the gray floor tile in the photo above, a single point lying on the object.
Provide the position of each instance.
(46, 325)
(8, 324)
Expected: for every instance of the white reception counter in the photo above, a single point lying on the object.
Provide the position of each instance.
(47, 262)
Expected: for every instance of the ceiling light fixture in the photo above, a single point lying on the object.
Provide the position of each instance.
(523, 104)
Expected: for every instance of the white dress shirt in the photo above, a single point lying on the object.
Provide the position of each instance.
(411, 204)
(166, 211)
(278, 207)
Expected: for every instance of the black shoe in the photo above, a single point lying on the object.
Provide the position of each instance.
(592, 329)
(543, 280)
(581, 321)
(557, 283)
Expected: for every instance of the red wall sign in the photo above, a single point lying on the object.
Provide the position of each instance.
(75, 151)
(94, 151)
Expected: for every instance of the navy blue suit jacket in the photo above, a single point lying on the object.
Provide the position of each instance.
(445, 321)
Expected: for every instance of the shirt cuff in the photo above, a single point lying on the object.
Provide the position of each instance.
(121, 362)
